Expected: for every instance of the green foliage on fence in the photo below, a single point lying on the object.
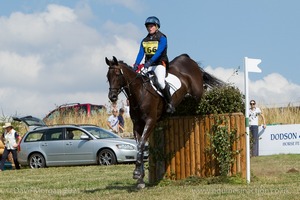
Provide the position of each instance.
(226, 99)
(222, 141)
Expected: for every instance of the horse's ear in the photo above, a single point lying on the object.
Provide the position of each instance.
(115, 60)
(107, 61)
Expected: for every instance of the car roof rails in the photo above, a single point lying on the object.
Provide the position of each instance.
(68, 104)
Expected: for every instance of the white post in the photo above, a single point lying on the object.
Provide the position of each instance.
(247, 123)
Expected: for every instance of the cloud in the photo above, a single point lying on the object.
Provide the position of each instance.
(19, 67)
(56, 13)
(53, 57)
(272, 90)
(134, 5)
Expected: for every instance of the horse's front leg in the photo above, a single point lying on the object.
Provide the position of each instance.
(139, 172)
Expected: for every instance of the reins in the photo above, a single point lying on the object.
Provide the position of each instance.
(128, 83)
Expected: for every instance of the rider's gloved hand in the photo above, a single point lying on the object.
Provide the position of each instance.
(135, 67)
(147, 65)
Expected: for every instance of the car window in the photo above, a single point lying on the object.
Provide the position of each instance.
(54, 134)
(74, 134)
(100, 133)
(34, 136)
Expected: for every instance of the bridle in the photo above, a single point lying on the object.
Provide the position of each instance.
(120, 75)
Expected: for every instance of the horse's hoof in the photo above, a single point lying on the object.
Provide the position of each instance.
(141, 186)
(136, 175)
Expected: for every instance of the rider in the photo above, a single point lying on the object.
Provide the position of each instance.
(154, 47)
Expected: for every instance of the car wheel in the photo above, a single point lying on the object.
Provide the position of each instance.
(107, 157)
(37, 160)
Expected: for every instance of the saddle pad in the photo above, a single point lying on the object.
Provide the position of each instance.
(174, 83)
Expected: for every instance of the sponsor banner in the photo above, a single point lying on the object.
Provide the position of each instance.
(279, 139)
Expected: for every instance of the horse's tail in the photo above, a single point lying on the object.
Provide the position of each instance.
(211, 81)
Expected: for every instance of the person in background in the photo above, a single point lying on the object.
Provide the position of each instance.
(154, 48)
(254, 112)
(121, 120)
(113, 106)
(11, 139)
(127, 108)
(113, 121)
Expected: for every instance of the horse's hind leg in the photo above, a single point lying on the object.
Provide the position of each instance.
(196, 90)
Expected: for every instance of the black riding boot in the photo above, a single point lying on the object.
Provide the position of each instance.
(167, 95)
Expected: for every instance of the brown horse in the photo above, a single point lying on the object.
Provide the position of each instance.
(146, 105)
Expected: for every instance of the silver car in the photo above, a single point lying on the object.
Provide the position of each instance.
(75, 145)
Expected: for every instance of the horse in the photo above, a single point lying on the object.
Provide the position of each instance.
(146, 104)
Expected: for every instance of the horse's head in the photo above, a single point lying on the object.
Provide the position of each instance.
(115, 78)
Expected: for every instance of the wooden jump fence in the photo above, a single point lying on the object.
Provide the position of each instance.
(179, 148)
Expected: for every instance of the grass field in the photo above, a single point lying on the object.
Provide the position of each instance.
(273, 177)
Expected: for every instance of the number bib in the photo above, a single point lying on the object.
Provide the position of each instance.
(150, 47)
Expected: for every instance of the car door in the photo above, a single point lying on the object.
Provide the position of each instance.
(53, 146)
(79, 151)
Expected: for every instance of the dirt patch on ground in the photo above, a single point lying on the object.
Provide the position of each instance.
(292, 170)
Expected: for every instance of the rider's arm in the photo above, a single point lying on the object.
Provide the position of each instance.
(140, 55)
(161, 47)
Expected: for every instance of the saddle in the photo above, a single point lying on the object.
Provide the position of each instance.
(171, 79)
(153, 80)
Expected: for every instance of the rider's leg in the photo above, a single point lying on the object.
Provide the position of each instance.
(167, 95)
(160, 72)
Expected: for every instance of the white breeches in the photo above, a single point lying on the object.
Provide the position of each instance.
(160, 72)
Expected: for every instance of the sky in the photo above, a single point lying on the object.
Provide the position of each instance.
(53, 52)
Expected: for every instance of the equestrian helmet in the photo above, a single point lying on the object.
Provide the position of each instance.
(152, 20)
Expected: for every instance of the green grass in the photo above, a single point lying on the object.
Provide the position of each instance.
(270, 180)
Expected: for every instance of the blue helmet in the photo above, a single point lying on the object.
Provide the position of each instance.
(152, 20)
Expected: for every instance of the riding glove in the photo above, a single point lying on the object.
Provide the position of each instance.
(135, 67)
(147, 65)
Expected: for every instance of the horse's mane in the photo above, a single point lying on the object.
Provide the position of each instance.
(122, 62)
(185, 54)
(125, 64)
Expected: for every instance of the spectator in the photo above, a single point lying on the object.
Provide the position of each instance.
(70, 135)
(126, 107)
(113, 121)
(121, 120)
(11, 139)
(113, 106)
(254, 112)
